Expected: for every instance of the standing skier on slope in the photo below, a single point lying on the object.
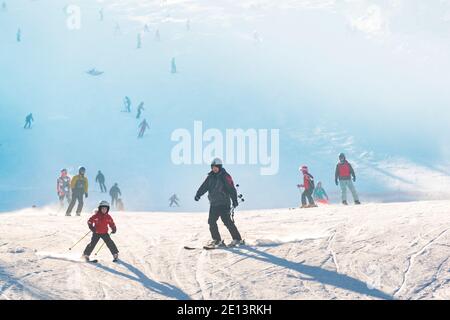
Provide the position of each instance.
(100, 178)
(343, 177)
(221, 192)
(114, 193)
(29, 118)
(127, 103)
(98, 224)
(80, 187)
(174, 200)
(143, 126)
(308, 184)
(140, 108)
(63, 188)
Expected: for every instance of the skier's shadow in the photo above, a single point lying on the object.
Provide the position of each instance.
(160, 288)
(317, 274)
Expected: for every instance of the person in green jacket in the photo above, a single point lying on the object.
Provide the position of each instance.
(320, 195)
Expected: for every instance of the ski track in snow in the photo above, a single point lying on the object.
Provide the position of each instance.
(322, 253)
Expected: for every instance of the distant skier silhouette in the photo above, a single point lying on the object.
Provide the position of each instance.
(115, 193)
(100, 178)
(139, 41)
(143, 126)
(94, 72)
(19, 35)
(117, 29)
(127, 103)
(174, 66)
(100, 12)
(140, 108)
(29, 118)
(4, 7)
(146, 28)
(174, 200)
(157, 35)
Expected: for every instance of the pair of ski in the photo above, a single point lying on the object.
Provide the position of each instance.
(215, 247)
(96, 261)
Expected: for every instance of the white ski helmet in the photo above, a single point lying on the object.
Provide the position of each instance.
(103, 203)
(216, 162)
(303, 168)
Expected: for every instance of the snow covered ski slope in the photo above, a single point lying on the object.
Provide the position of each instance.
(373, 251)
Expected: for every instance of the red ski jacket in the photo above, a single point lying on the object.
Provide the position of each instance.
(344, 171)
(308, 181)
(100, 222)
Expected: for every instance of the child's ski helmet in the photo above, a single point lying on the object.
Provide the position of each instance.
(103, 203)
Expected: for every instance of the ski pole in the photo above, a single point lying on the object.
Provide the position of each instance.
(80, 240)
(101, 247)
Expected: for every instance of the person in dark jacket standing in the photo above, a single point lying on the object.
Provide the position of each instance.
(100, 178)
(80, 187)
(308, 184)
(221, 194)
(343, 177)
(114, 193)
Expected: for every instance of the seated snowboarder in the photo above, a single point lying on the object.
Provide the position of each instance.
(343, 177)
(308, 184)
(99, 224)
(320, 194)
(221, 193)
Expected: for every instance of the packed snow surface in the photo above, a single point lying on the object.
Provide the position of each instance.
(373, 251)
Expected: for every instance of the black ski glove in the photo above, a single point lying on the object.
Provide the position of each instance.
(86, 194)
(114, 230)
(337, 182)
(92, 228)
(354, 179)
(197, 198)
(235, 204)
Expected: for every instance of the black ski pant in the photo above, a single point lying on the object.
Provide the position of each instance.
(222, 212)
(172, 202)
(307, 194)
(76, 195)
(102, 186)
(95, 238)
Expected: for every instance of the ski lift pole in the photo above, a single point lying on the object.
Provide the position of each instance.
(80, 240)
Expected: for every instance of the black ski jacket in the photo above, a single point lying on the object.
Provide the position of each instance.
(220, 188)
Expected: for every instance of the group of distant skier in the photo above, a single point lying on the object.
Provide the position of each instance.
(344, 177)
(143, 126)
(76, 189)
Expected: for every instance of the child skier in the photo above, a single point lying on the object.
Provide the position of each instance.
(98, 224)
(320, 194)
(221, 193)
(308, 184)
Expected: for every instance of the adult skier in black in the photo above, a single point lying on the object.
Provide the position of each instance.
(29, 118)
(174, 200)
(80, 187)
(100, 179)
(221, 193)
(114, 193)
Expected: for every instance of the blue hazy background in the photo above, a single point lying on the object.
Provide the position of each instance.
(369, 78)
